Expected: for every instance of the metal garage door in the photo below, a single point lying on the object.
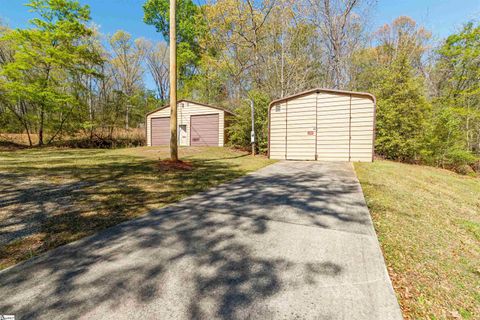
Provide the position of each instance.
(333, 133)
(160, 131)
(328, 125)
(301, 127)
(204, 130)
(278, 131)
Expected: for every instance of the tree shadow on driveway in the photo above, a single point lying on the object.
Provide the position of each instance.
(220, 254)
(55, 203)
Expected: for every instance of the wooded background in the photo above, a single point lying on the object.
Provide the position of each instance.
(61, 80)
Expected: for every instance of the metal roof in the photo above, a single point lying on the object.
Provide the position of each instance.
(318, 90)
(194, 102)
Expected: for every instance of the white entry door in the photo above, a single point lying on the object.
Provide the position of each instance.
(183, 135)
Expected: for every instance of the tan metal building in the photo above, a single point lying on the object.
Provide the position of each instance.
(323, 124)
(199, 124)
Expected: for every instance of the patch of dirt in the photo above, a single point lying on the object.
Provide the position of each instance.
(28, 201)
(169, 165)
(21, 249)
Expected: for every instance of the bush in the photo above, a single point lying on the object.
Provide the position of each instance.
(241, 126)
(106, 139)
(464, 169)
(460, 161)
(459, 158)
(119, 138)
(476, 166)
(100, 143)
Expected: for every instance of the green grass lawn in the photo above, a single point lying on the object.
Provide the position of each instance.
(54, 196)
(428, 224)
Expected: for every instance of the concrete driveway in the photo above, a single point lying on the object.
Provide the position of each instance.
(291, 241)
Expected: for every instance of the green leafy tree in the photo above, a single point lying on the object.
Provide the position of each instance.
(444, 144)
(458, 85)
(190, 25)
(391, 71)
(44, 60)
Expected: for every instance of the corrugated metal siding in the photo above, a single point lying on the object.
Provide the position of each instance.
(184, 113)
(363, 113)
(333, 119)
(160, 131)
(344, 123)
(204, 130)
(278, 131)
(301, 123)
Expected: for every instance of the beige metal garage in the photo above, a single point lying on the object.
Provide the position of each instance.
(199, 124)
(323, 124)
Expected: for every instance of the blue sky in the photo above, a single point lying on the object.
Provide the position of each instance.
(110, 15)
(442, 17)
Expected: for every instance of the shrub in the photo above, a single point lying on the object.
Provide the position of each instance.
(241, 126)
(459, 158)
(464, 169)
(460, 161)
(476, 166)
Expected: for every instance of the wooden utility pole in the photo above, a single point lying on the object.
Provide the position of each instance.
(173, 83)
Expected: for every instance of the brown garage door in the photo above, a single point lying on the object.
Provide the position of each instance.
(160, 131)
(204, 130)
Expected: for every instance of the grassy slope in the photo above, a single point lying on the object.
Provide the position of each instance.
(428, 223)
(72, 193)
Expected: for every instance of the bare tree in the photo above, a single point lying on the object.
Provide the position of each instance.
(340, 25)
(403, 37)
(291, 52)
(238, 30)
(156, 58)
(128, 58)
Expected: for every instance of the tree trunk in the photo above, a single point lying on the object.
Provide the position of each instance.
(40, 129)
(29, 139)
(90, 108)
(64, 119)
(42, 109)
(126, 118)
(22, 118)
(478, 142)
(173, 83)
